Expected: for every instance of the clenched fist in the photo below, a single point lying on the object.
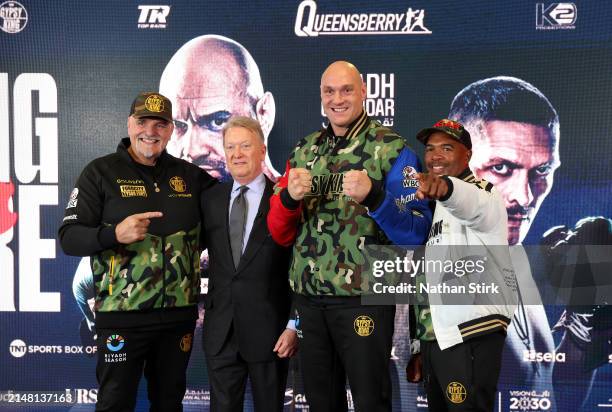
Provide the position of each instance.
(134, 227)
(431, 186)
(356, 184)
(299, 182)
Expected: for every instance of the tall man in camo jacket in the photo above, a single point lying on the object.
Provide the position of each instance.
(326, 206)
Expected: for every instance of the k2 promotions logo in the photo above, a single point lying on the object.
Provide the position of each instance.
(310, 24)
(153, 17)
(556, 16)
(14, 17)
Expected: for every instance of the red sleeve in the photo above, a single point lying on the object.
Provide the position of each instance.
(283, 220)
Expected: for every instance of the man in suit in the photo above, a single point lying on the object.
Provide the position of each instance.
(246, 328)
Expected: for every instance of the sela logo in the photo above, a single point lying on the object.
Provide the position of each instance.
(547, 357)
(14, 17)
(556, 16)
(153, 17)
(310, 24)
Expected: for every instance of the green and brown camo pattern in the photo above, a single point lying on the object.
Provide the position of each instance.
(153, 273)
(328, 256)
(422, 312)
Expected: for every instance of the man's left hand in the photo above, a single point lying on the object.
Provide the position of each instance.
(356, 184)
(287, 344)
(431, 186)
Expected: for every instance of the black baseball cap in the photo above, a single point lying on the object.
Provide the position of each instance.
(151, 104)
(450, 127)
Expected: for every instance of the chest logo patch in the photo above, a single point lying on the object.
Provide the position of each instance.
(178, 184)
(133, 191)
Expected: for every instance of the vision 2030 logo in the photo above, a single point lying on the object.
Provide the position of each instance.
(556, 16)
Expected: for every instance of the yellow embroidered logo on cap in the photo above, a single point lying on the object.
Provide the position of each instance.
(364, 325)
(456, 392)
(154, 103)
(178, 184)
(186, 341)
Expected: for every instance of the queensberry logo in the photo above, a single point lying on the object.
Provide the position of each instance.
(308, 23)
(153, 17)
(556, 16)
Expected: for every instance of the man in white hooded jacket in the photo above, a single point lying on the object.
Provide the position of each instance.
(460, 330)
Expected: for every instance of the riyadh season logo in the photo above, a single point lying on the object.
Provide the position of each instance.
(115, 343)
(556, 16)
(14, 17)
(310, 24)
(153, 17)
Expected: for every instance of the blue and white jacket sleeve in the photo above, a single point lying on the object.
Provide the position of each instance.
(394, 206)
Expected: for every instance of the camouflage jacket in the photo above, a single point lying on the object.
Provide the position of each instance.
(160, 272)
(328, 229)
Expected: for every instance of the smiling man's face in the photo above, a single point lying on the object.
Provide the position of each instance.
(342, 95)
(148, 138)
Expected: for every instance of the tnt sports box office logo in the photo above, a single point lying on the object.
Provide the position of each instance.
(556, 16)
(18, 349)
(308, 23)
(153, 17)
(13, 16)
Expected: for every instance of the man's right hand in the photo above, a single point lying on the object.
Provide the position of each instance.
(298, 183)
(134, 228)
(414, 370)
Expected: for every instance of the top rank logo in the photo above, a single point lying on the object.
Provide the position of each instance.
(153, 17)
(310, 24)
(556, 16)
(14, 17)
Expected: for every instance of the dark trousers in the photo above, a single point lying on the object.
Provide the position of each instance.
(162, 351)
(228, 372)
(339, 338)
(463, 377)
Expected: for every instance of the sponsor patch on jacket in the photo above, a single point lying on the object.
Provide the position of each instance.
(330, 184)
(402, 201)
(72, 202)
(410, 177)
(133, 191)
(480, 183)
(178, 184)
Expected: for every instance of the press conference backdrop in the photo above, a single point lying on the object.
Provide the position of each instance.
(68, 73)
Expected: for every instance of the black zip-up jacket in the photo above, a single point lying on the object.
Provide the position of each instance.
(155, 280)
